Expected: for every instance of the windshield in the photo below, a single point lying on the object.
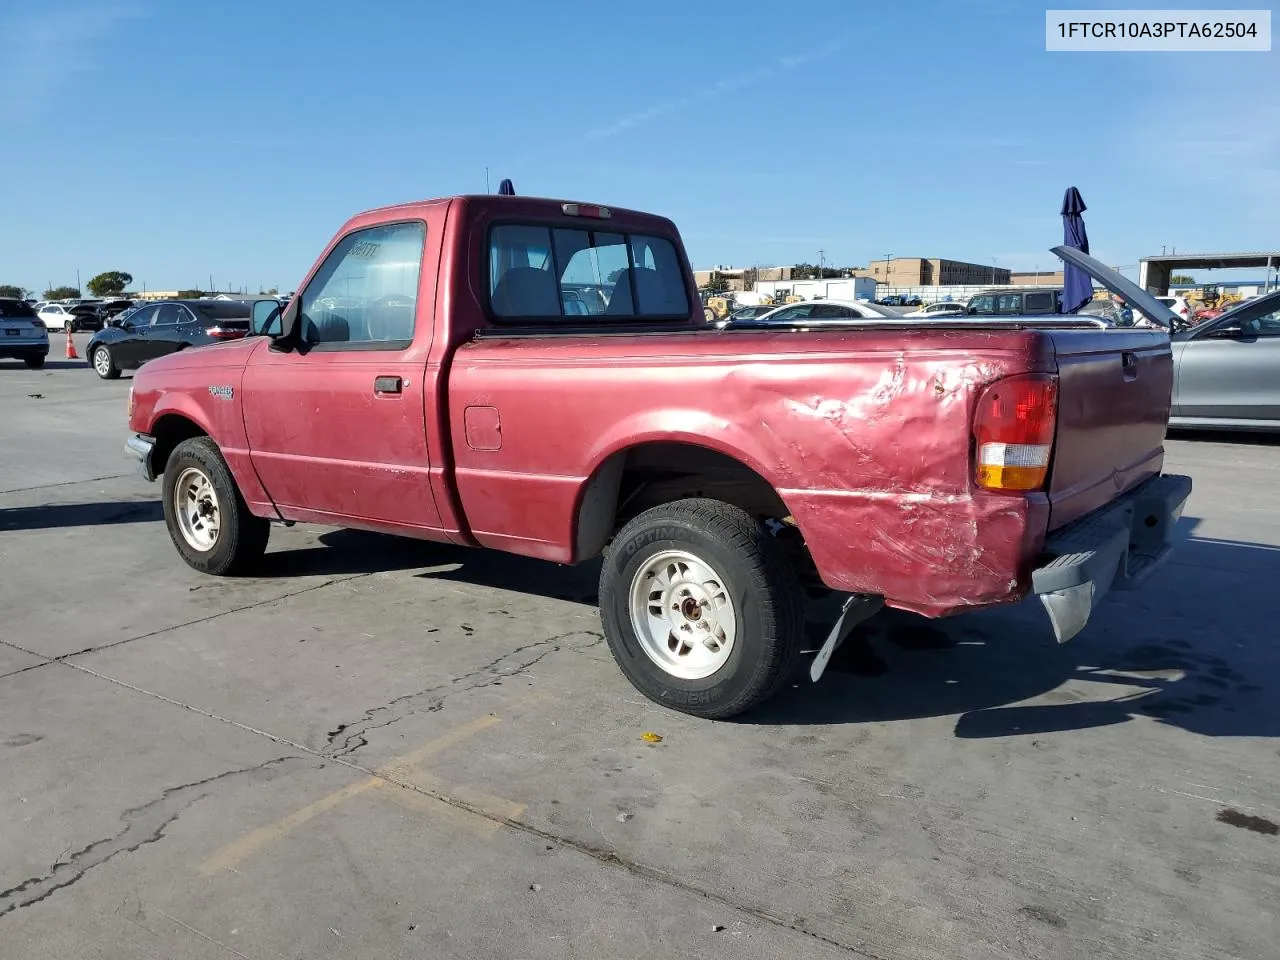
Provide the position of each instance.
(537, 272)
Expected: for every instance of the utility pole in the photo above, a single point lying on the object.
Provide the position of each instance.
(887, 257)
(79, 289)
(486, 179)
(822, 264)
(993, 271)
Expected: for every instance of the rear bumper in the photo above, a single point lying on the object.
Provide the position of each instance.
(139, 447)
(20, 351)
(1116, 547)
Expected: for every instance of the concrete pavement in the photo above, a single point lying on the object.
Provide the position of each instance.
(390, 749)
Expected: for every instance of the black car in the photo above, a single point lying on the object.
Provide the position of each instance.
(85, 316)
(166, 327)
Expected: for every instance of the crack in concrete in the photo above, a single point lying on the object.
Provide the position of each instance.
(510, 664)
(598, 854)
(66, 483)
(143, 825)
(169, 629)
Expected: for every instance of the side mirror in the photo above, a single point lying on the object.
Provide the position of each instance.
(266, 319)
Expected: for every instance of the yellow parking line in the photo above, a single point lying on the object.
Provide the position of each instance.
(402, 769)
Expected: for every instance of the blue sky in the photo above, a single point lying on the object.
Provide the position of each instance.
(178, 140)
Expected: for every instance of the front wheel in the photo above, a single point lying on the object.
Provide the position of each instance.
(208, 520)
(104, 365)
(700, 607)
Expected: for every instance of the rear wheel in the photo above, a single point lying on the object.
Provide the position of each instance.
(35, 363)
(208, 520)
(700, 607)
(104, 365)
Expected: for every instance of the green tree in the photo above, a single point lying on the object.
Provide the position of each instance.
(62, 293)
(615, 275)
(268, 293)
(190, 294)
(13, 292)
(1182, 278)
(110, 284)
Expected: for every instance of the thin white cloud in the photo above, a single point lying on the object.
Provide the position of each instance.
(720, 87)
(45, 50)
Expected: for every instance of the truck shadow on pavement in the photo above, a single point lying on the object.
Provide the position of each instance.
(357, 551)
(1193, 649)
(80, 514)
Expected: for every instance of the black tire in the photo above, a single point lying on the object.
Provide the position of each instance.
(35, 363)
(113, 371)
(756, 575)
(242, 537)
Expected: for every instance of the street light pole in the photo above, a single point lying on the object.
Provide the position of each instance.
(993, 271)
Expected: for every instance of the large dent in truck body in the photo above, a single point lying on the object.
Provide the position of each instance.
(865, 437)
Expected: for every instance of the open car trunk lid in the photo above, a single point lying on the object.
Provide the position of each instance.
(1114, 394)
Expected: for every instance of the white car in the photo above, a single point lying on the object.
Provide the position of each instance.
(1178, 305)
(824, 310)
(56, 316)
(943, 309)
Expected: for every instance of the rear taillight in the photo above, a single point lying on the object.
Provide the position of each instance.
(1013, 430)
(225, 333)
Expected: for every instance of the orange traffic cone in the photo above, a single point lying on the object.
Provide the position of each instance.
(71, 346)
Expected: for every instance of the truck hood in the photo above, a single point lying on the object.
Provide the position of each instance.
(234, 354)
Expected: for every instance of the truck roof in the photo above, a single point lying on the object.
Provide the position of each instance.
(518, 205)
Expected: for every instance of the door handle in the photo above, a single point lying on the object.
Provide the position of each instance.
(1129, 363)
(386, 385)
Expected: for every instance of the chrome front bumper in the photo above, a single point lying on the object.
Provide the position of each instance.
(139, 447)
(1116, 547)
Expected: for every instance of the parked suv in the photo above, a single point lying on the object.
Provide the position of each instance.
(23, 335)
(1031, 302)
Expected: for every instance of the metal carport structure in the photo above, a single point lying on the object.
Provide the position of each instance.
(1154, 272)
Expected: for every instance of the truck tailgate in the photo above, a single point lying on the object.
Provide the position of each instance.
(1114, 394)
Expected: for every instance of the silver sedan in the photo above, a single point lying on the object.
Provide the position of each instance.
(1227, 370)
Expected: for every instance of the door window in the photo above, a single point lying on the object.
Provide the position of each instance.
(142, 318)
(1039, 303)
(834, 311)
(167, 315)
(985, 304)
(801, 311)
(365, 294)
(1263, 325)
(1009, 304)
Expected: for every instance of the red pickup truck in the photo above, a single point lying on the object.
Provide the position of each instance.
(537, 376)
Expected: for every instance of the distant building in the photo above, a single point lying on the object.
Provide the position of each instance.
(1031, 278)
(740, 278)
(932, 272)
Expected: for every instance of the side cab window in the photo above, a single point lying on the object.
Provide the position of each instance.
(365, 294)
(982, 305)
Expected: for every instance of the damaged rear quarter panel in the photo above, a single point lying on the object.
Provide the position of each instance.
(865, 435)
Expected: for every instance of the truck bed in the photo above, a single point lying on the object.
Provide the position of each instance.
(864, 433)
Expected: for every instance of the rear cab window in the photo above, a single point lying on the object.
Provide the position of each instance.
(544, 274)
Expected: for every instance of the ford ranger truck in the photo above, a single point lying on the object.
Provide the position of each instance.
(537, 376)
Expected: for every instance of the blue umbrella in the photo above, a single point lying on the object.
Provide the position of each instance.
(1077, 285)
